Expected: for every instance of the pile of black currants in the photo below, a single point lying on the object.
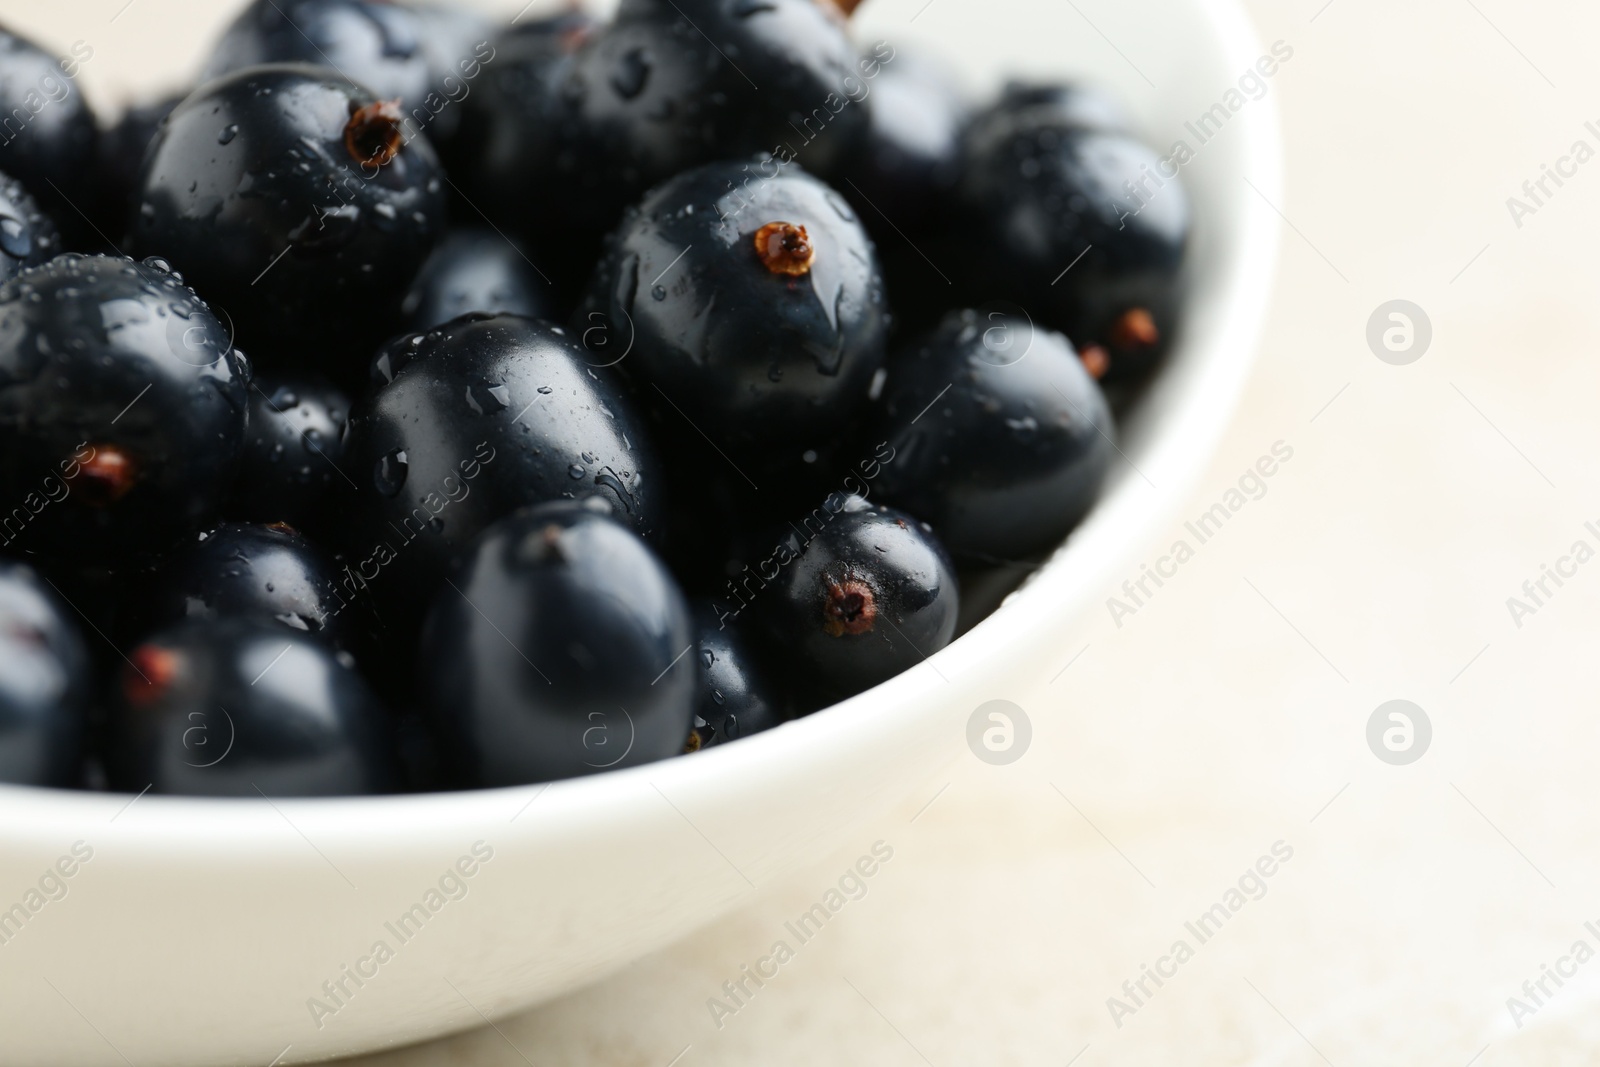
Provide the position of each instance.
(615, 389)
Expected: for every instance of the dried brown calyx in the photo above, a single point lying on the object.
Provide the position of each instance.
(106, 476)
(282, 527)
(151, 672)
(785, 248)
(850, 607)
(1135, 329)
(375, 133)
(1095, 361)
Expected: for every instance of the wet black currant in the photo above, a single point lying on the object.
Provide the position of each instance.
(1083, 226)
(269, 573)
(122, 411)
(738, 695)
(1001, 438)
(852, 594)
(47, 130)
(471, 421)
(299, 201)
(560, 647)
(747, 302)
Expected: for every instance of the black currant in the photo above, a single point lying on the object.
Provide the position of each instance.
(903, 168)
(470, 422)
(560, 647)
(269, 573)
(851, 595)
(299, 202)
(240, 708)
(1083, 226)
(1001, 438)
(47, 130)
(476, 270)
(122, 410)
(738, 696)
(746, 299)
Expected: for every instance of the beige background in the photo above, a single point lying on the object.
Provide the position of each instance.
(1229, 714)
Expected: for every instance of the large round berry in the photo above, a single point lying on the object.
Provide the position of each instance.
(561, 646)
(240, 708)
(28, 237)
(477, 270)
(852, 595)
(122, 410)
(298, 200)
(272, 574)
(293, 452)
(1001, 439)
(44, 683)
(470, 422)
(739, 696)
(1083, 226)
(47, 131)
(746, 300)
(905, 164)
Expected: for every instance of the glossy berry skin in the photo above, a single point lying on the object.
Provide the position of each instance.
(272, 574)
(667, 86)
(470, 422)
(28, 237)
(1001, 439)
(378, 45)
(398, 51)
(756, 345)
(559, 650)
(278, 187)
(44, 683)
(293, 452)
(48, 137)
(906, 162)
(122, 410)
(476, 270)
(1038, 192)
(856, 594)
(738, 696)
(120, 154)
(239, 708)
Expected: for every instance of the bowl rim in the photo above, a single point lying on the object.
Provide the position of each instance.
(1055, 593)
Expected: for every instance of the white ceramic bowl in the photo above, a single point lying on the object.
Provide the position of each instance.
(198, 931)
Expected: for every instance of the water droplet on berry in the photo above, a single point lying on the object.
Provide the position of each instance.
(632, 72)
(389, 476)
(14, 239)
(229, 132)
